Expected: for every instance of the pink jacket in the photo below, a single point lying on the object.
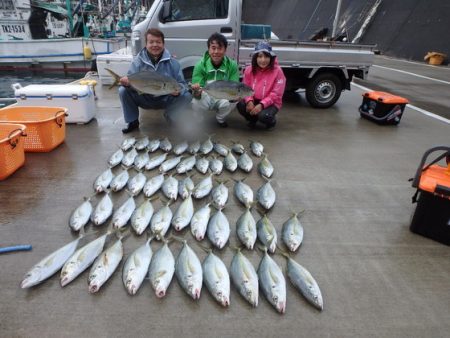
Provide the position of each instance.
(268, 85)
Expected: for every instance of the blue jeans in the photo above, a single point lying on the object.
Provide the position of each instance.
(131, 101)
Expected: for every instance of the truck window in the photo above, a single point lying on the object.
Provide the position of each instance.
(183, 10)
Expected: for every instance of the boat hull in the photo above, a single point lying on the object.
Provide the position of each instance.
(65, 54)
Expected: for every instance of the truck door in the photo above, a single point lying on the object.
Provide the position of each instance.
(188, 24)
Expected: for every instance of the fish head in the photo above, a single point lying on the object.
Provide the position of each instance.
(250, 295)
(66, 277)
(94, 286)
(223, 299)
(30, 279)
(280, 305)
(130, 286)
(160, 291)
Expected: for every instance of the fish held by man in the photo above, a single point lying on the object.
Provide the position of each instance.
(228, 90)
(149, 82)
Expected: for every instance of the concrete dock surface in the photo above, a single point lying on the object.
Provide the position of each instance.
(349, 175)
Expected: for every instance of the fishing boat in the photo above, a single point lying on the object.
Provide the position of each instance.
(42, 35)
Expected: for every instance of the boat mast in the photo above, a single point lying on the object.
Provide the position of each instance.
(336, 18)
(69, 15)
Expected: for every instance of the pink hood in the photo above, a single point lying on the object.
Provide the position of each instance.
(268, 85)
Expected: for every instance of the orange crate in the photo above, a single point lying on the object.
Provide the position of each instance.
(12, 155)
(46, 126)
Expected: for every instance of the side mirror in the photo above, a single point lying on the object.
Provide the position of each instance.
(166, 11)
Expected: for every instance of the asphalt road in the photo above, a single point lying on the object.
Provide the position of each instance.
(425, 86)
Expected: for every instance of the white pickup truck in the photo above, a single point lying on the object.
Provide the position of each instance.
(322, 68)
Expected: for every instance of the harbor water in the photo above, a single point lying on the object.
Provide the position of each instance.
(27, 78)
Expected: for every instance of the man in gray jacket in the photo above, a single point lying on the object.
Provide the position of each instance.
(154, 57)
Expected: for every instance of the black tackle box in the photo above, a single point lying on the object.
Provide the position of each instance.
(382, 108)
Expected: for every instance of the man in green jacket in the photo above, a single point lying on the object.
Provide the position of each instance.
(214, 65)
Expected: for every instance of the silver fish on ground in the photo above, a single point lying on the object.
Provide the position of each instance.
(102, 210)
(272, 283)
(218, 230)
(194, 148)
(128, 143)
(244, 193)
(257, 148)
(199, 222)
(238, 148)
(304, 282)
(221, 149)
(80, 216)
(169, 164)
(136, 183)
(228, 90)
(162, 268)
(189, 271)
(216, 166)
(180, 148)
(123, 214)
(183, 215)
(103, 180)
(141, 160)
(170, 188)
(105, 265)
(49, 265)
(153, 145)
(149, 82)
(153, 185)
(266, 196)
(185, 187)
(203, 188)
(246, 229)
(267, 233)
(217, 279)
(160, 221)
(186, 164)
(265, 168)
(165, 145)
(202, 165)
(142, 143)
(82, 259)
(155, 161)
(116, 158)
(245, 162)
(244, 278)
(292, 233)
(136, 267)
(220, 195)
(230, 162)
(129, 157)
(141, 217)
(207, 146)
(120, 181)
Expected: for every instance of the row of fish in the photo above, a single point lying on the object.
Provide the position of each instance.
(215, 226)
(190, 272)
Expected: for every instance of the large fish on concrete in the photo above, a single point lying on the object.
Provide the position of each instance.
(149, 82)
(228, 90)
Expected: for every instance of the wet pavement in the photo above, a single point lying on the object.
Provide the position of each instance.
(348, 174)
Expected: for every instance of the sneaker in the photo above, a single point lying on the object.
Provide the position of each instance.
(131, 126)
(222, 124)
(270, 126)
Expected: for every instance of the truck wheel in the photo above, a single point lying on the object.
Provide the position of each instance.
(323, 90)
(187, 73)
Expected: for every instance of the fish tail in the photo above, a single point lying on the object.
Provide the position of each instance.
(115, 76)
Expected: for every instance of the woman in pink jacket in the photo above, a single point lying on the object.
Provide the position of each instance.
(267, 80)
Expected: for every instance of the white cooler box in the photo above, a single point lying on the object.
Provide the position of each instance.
(78, 99)
(119, 62)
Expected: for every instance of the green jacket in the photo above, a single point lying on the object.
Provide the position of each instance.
(205, 72)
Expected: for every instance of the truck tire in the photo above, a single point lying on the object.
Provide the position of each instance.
(323, 90)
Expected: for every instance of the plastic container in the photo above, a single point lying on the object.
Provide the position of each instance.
(77, 98)
(12, 155)
(432, 215)
(119, 62)
(382, 108)
(46, 126)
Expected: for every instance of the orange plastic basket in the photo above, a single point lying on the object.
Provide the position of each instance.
(46, 126)
(12, 155)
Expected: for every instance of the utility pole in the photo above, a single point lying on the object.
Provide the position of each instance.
(336, 18)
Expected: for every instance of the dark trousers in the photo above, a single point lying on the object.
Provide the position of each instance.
(267, 116)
